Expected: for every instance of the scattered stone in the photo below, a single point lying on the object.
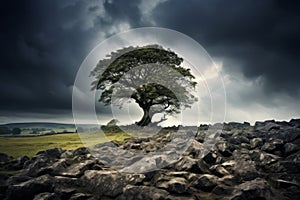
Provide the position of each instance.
(109, 183)
(291, 166)
(210, 158)
(255, 189)
(245, 170)
(205, 182)
(52, 153)
(80, 196)
(266, 126)
(131, 192)
(222, 189)
(64, 192)
(246, 162)
(46, 196)
(256, 142)
(81, 151)
(290, 148)
(4, 158)
(78, 169)
(218, 170)
(295, 122)
(279, 183)
(224, 149)
(177, 185)
(195, 149)
(28, 189)
(188, 164)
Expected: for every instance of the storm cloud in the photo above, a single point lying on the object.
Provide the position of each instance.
(260, 38)
(44, 42)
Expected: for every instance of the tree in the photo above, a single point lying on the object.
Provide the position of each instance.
(16, 131)
(150, 75)
(4, 130)
(111, 127)
(112, 122)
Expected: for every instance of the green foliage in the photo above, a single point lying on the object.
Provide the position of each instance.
(4, 130)
(16, 131)
(111, 127)
(112, 122)
(119, 75)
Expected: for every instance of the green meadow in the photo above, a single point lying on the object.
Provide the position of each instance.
(20, 146)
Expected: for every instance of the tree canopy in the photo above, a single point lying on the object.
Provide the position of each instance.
(150, 75)
(16, 131)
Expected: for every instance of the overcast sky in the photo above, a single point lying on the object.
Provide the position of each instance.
(255, 44)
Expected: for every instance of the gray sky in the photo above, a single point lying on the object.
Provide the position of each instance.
(254, 43)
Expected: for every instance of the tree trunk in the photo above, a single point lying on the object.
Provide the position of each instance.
(146, 118)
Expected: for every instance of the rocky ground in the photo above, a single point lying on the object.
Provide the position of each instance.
(247, 162)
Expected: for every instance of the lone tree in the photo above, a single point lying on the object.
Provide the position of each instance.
(16, 131)
(150, 75)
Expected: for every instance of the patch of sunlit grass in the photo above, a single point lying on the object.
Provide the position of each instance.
(20, 146)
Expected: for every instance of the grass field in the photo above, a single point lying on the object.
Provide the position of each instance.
(20, 146)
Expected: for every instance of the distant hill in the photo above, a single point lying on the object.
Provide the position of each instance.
(46, 128)
(38, 125)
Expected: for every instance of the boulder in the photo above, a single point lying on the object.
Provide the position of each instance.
(46, 196)
(109, 183)
(229, 165)
(291, 166)
(210, 158)
(55, 168)
(17, 179)
(194, 150)
(188, 164)
(175, 185)
(76, 170)
(222, 189)
(28, 189)
(131, 192)
(218, 170)
(280, 183)
(80, 196)
(104, 145)
(255, 189)
(205, 182)
(237, 138)
(290, 148)
(266, 126)
(256, 142)
(295, 122)
(64, 192)
(241, 154)
(52, 153)
(245, 170)
(67, 154)
(19, 162)
(224, 148)
(263, 159)
(287, 134)
(4, 158)
(272, 148)
(34, 166)
(235, 125)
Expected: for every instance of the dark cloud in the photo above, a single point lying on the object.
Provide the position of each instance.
(42, 46)
(44, 42)
(261, 37)
(125, 11)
